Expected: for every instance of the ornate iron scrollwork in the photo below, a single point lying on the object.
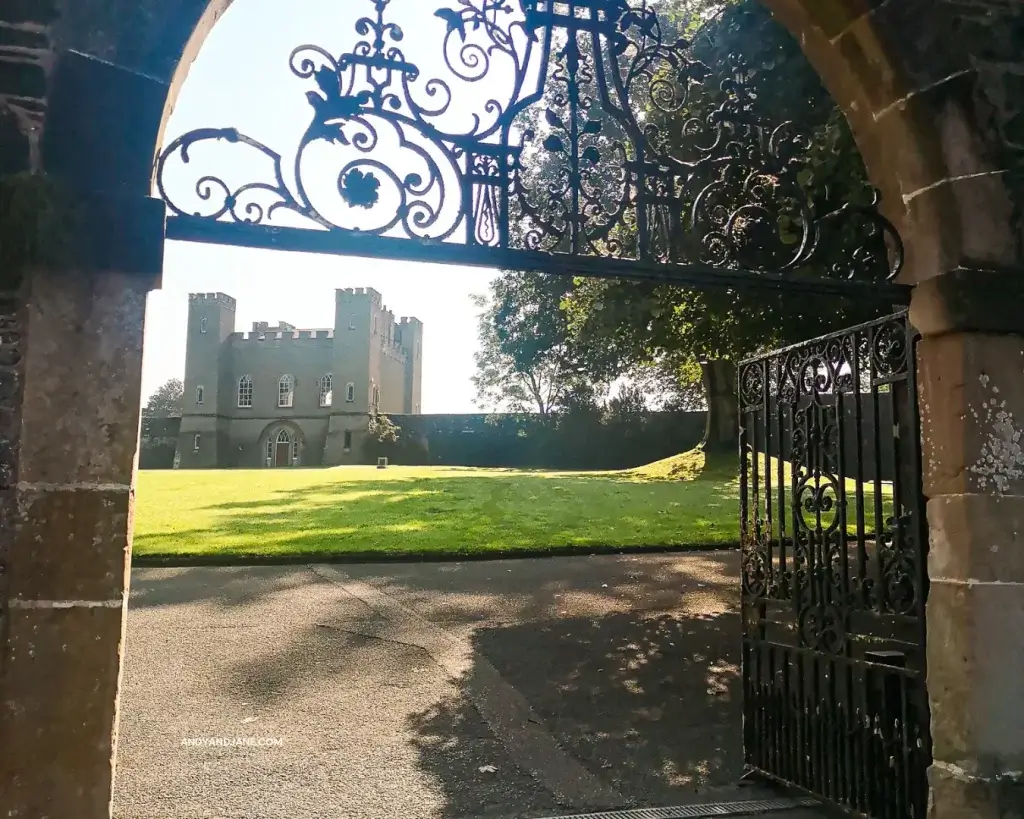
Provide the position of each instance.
(834, 568)
(534, 136)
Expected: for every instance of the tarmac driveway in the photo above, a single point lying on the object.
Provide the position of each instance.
(486, 689)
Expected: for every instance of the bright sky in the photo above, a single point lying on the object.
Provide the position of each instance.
(241, 79)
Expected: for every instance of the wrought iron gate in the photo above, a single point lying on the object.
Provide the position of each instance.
(834, 547)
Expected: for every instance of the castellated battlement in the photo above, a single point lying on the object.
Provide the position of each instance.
(349, 293)
(212, 298)
(319, 336)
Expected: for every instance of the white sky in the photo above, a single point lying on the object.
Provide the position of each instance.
(241, 79)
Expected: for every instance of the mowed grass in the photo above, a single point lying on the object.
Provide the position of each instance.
(425, 511)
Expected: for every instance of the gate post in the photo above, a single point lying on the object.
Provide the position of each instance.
(971, 377)
(78, 254)
(70, 425)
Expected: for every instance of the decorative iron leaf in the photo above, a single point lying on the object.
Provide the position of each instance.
(327, 81)
(593, 126)
(592, 155)
(554, 144)
(360, 189)
(553, 119)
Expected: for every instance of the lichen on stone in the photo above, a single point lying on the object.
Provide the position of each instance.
(1001, 460)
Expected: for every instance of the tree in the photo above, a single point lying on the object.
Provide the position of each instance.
(695, 337)
(526, 362)
(166, 401)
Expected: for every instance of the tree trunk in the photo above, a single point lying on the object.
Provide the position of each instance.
(722, 429)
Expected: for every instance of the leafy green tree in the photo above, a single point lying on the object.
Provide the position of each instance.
(525, 362)
(695, 337)
(166, 401)
(383, 429)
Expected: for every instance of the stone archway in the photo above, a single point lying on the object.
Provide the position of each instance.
(933, 91)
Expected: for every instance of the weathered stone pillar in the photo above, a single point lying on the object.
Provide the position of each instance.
(971, 376)
(69, 383)
(80, 247)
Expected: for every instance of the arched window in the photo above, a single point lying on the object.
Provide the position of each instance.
(202, 324)
(350, 391)
(199, 395)
(195, 442)
(285, 391)
(283, 437)
(245, 391)
(326, 390)
(376, 397)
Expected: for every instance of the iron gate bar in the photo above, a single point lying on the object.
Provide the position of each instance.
(351, 243)
(564, 165)
(833, 603)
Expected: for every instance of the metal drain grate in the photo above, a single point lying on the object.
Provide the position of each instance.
(701, 811)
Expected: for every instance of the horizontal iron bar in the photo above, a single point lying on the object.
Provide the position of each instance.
(848, 331)
(838, 659)
(351, 243)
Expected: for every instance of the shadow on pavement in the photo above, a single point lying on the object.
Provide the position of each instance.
(630, 662)
(648, 700)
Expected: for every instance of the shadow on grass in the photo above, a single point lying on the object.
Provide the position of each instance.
(449, 515)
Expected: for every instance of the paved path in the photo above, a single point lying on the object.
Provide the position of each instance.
(431, 691)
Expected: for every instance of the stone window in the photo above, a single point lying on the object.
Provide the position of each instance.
(326, 390)
(374, 331)
(270, 451)
(376, 397)
(351, 322)
(285, 391)
(199, 395)
(245, 391)
(295, 451)
(202, 324)
(348, 440)
(195, 442)
(350, 391)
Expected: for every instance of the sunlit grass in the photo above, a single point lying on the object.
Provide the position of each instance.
(682, 501)
(686, 500)
(875, 516)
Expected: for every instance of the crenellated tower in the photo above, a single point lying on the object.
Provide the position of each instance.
(206, 405)
(410, 335)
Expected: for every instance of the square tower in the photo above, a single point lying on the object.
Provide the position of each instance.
(410, 332)
(203, 436)
(356, 326)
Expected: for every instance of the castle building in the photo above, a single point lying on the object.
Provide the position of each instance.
(283, 397)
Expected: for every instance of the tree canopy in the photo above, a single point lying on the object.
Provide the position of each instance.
(166, 401)
(606, 328)
(526, 361)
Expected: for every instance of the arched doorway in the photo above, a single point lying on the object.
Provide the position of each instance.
(282, 447)
(928, 90)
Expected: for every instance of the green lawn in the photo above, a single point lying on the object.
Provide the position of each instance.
(433, 510)
(364, 511)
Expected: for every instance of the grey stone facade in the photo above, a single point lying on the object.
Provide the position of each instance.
(279, 396)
